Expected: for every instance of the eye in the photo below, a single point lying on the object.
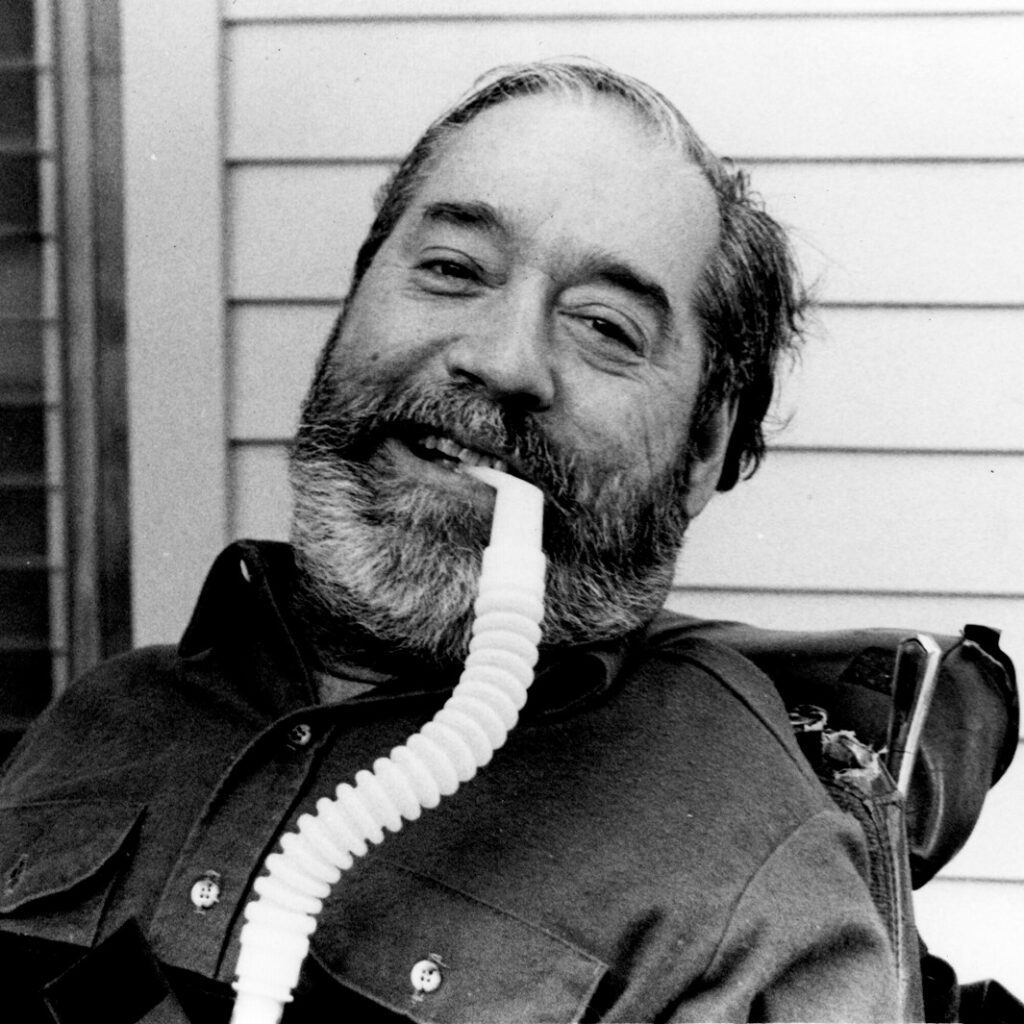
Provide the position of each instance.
(613, 332)
(617, 334)
(450, 268)
(448, 275)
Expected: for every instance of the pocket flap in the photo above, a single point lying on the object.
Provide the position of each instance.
(49, 847)
(473, 962)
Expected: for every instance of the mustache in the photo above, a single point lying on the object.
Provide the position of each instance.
(349, 420)
(593, 516)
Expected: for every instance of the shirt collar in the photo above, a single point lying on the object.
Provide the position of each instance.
(242, 616)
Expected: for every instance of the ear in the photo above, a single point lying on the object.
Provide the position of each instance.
(709, 451)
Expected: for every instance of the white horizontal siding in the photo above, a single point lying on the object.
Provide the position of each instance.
(904, 233)
(259, 483)
(287, 10)
(865, 233)
(908, 378)
(976, 927)
(295, 230)
(273, 351)
(867, 522)
(813, 609)
(815, 87)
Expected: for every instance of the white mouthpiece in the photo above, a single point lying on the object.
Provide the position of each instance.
(518, 507)
(514, 551)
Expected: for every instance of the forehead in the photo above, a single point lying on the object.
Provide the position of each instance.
(581, 174)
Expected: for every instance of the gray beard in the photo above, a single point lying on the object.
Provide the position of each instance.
(387, 571)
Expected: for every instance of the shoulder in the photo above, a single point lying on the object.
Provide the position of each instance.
(125, 679)
(728, 700)
(690, 740)
(102, 715)
(123, 673)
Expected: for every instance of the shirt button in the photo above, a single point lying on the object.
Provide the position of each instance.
(426, 976)
(300, 734)
(206, 891)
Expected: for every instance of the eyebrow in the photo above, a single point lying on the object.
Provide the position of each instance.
(479, 216)
(594, 266)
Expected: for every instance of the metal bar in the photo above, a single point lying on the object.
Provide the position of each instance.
(915, 675)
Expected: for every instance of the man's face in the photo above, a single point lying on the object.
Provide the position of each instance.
(534, 305)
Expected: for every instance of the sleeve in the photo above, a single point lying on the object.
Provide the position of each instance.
(804, 942)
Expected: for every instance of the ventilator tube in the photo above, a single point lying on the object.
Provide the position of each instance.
(432, 763)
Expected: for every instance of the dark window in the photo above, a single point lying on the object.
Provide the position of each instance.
(63, 567)
(27, 549)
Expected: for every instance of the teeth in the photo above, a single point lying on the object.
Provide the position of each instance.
(450, 448)
(446, 446)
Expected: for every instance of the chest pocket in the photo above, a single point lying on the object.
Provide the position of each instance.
(430, 953)
(57, 861)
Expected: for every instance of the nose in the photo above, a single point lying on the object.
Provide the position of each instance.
(506, 350)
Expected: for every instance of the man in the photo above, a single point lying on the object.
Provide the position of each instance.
(561, 281)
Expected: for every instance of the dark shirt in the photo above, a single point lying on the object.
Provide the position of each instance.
(648, 844)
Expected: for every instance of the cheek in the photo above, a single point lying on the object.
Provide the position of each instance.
(656, 442)
(626, 428)
(381, 338)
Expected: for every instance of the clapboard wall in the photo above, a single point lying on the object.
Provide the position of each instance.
(889, 138)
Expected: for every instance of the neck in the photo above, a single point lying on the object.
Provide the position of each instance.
(341, 646)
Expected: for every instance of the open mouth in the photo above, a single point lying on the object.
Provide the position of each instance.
(446, 451)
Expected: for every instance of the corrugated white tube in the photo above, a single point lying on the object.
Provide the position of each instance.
(432, 763)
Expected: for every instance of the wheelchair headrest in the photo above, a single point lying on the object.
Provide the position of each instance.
(970, 735)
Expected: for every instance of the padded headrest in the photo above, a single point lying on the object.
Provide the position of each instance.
(970, 735)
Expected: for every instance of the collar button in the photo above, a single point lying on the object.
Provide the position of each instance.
(299, 735)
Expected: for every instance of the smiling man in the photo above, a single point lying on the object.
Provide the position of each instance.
(562, 283)
(535, 304)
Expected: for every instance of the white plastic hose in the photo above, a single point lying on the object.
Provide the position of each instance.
(432, 763)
